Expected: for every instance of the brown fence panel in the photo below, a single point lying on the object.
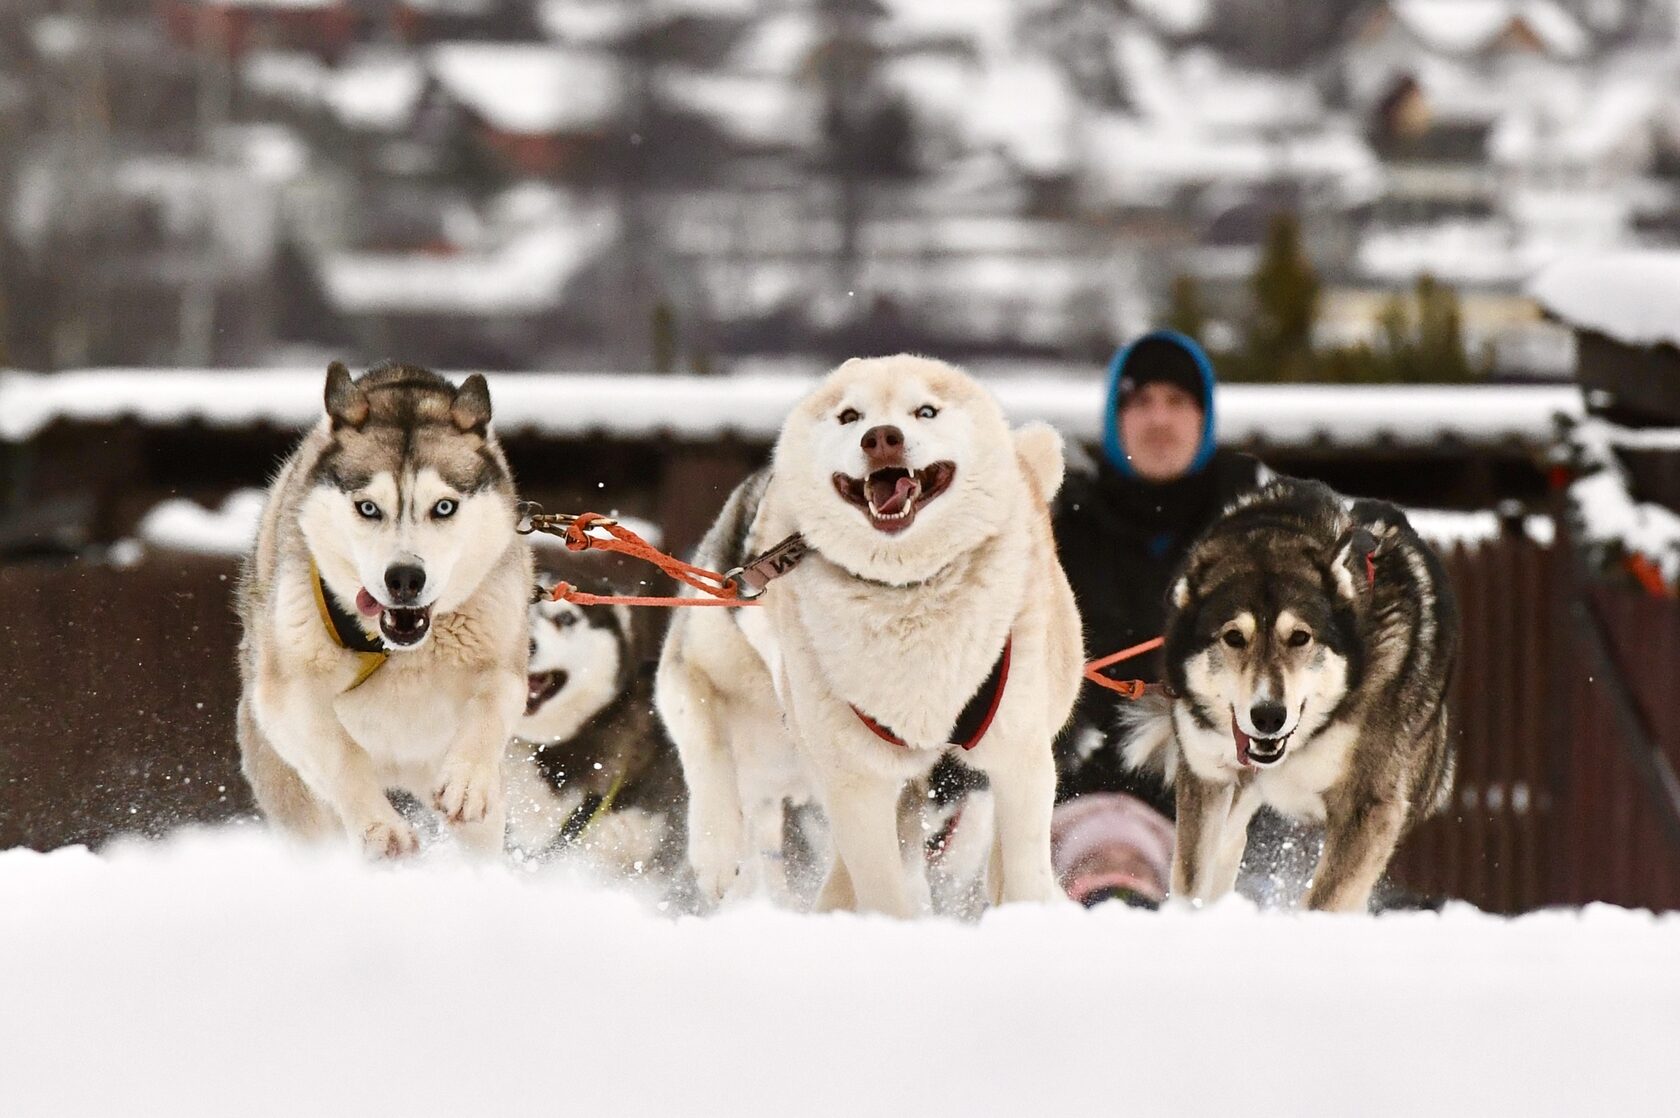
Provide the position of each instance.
(120, 692)
(1492, 844)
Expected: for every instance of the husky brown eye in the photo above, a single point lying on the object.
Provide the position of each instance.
(1235, 639)
(926, 411)
(1299, 638)
(850, 415)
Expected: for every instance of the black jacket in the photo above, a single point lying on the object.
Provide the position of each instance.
(1121, 539)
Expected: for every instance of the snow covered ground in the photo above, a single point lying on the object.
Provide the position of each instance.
(220, 974)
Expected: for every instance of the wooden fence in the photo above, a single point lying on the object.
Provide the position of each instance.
(121, 686)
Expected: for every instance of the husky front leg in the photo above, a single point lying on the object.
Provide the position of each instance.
(1202, 811)
(470, 791)
(1358, 842)
(862, 810)
(308, 736)
(1024, 799)
(692, 711)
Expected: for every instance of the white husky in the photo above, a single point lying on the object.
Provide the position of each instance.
(384, 612)
(930, 613)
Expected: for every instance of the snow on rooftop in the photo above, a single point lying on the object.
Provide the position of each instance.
(782, 45)
(1175, 17)
(1629, 296)
(1148, 160)
(757, 111)
(176, 978)
(527, 273)
(588, 23)
(529, 89)
(1026, 109)
(1471, 26)
(376, 90)
(989, 26)
(754, 406)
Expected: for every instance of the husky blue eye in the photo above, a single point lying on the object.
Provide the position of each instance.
(368, 510)
(444, 509)
(566, 620)
(850, 415)
(926, 411)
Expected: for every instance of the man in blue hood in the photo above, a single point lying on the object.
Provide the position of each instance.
(1124, 523)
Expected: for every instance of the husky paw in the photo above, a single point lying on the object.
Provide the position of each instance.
(389, 839)
(468, 793)
(716, 855)
(624, 838)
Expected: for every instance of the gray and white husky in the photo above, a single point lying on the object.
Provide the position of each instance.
(1310, 643)
(384, 613)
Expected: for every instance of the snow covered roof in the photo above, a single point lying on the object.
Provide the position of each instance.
(753, 406)
(588, 23)
(757, 111)
(530, 89)
(1147, 160)
(1471, 26)
(1629, 296)
(526, 274)
(781, 45)
(986, 25)
(372, 89)
(1175, 17)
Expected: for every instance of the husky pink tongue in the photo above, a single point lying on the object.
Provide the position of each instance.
(890, 497)
(365, 605)
(1243, 742)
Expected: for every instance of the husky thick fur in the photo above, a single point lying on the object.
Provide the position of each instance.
(1310, 643)
(590, 765)
(395, 516)
(932, 554)
(717, 700)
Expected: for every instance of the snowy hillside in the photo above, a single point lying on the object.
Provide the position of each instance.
(220, 975)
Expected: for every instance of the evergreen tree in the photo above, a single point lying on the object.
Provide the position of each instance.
(1286, 294)
(1186, 313)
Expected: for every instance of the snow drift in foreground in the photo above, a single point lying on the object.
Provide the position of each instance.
(220, 974)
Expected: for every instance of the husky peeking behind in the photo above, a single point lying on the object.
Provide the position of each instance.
(384, 617)
(1310, 644)
(589, 765)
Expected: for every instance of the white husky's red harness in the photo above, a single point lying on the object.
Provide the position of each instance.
(975, 719)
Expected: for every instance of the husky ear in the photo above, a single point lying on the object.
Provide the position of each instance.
(1039, 447)
(1347, 565)
(471, 410)
(347, 404)
(1180, 593)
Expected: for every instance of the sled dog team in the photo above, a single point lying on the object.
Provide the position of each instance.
(885, 712)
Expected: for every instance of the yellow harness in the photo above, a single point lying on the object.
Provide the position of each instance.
(347, 632)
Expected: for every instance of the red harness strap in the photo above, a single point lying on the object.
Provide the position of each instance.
(998, 681)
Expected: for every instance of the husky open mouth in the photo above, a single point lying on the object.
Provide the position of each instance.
(541, 687)
(893, 495)
(401, 628)
(1253, 751)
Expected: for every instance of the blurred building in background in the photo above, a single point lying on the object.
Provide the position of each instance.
(700, 185)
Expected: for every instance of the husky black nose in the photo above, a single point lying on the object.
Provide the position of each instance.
(1268, 718)
(883, 442)
(404, 581)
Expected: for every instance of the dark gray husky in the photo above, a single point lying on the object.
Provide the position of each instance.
(1310, 642)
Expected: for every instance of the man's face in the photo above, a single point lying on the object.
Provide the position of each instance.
(1160, 430)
